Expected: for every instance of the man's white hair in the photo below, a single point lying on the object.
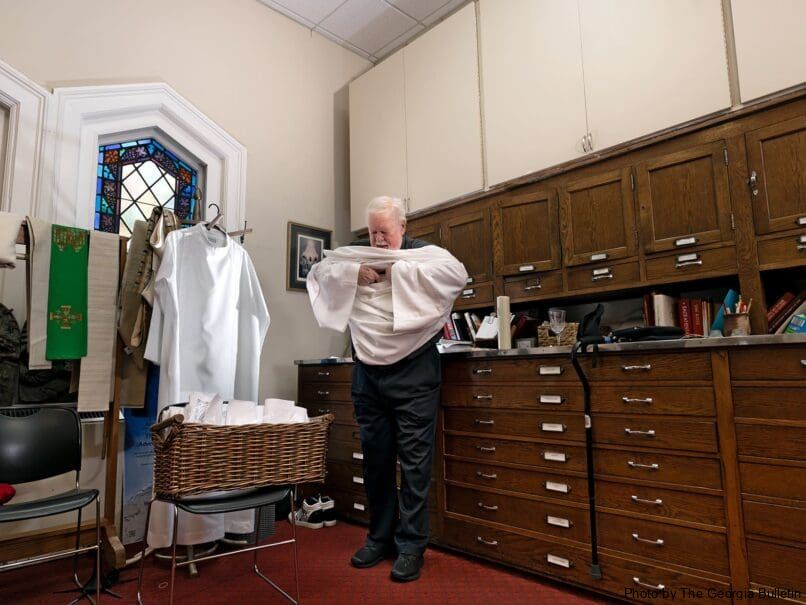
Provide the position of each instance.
(385, 203)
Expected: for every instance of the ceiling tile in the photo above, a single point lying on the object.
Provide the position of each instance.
(367, 24)
(443, 11)
(418, 9)
(311, 10)
(344, 43)
(398, 42)
(288, 13)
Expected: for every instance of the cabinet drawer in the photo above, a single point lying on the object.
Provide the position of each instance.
(475, 295)
(771, 441)
(784, 522)
(648, 367)
(351, 504)
(485, 371)
(538, 483)
(769, 403)
(662, 542)
(550, 456)
(526, 287)
(584, 278)
(344, 412)
(656, 432)
(568, 427)
(345, 452)
(771, 480)
(543, 397)
(546, 518)
(691, 263)
(544, 556)
(348, 433)
(342, 372)
(664, 468)
(316, 392)
(653, 584)
(777, 565)
(769, 363)
(652, 399)
(790, 249)
(681, 505)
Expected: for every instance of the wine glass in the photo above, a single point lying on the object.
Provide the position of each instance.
(557, 322)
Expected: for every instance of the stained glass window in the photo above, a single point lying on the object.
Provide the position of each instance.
(136, 176)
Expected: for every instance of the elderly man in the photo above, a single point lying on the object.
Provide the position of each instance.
(395, 295)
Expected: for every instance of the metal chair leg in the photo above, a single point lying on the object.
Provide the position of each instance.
(173, 554)
(78, 544)
(293, 524)
(98, 578)
(143, 555)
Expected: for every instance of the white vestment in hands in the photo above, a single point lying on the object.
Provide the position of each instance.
(390, 319)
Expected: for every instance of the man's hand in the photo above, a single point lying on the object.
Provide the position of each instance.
(367, 275)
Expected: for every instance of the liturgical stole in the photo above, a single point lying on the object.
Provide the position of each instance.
(67, 293)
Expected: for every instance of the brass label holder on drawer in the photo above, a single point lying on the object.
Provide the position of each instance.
(559, 522)
(558, 561)
(687, 260)
(555, 456)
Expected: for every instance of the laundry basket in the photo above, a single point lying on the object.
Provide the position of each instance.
(192, 458)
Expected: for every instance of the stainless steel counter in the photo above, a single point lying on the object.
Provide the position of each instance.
(656, 345)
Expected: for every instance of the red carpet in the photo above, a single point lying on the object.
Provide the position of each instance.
(326, 576)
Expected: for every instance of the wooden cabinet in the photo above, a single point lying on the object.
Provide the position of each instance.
(377, 137)
(534, 97)
(430, 233)
(525, 231)
(776, 159)
(651, 65)
(467, 237)
(684, 198)
(443, 119)
(598, 218)
(770, 45)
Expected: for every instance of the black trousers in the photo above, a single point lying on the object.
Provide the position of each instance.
(396, 409)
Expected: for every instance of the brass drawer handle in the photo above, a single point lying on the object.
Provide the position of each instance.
(649, 434)
(479, 397)
(637, 368)
(487, 450)
(655, 542)
(656, 501)
(651, 586)
(688, 263)
(536, 286)
(492, 508)
(482, 371)
(650, 467)
(323, 411)
(492, 476)
(479, 421)
(636, 400)
(323, 373)
(323, 393)
(481, 540)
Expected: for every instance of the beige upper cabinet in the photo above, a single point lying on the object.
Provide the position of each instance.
(651, 64)
(770, 45)
(533, 91)
(443, 119)
(377, 137)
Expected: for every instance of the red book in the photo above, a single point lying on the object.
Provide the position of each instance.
(784, 314)
(779, 306)
(696, 317)
(446, 333)
(684, 316)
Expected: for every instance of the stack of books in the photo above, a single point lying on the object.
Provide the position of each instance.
(693, 315)
(788, 314)
(461, 329)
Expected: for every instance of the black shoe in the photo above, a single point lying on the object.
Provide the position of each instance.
(328, 511)
(369, 556)
(407, 567)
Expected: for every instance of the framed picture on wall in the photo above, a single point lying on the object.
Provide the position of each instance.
(306, 246)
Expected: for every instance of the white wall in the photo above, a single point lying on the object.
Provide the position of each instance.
(272, 84)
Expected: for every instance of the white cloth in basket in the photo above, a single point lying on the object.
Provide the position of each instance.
(283, 411)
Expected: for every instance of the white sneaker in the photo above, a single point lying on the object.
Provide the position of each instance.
(328, 511)
(309, 514)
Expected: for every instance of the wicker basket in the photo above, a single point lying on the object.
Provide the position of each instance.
(547, 338)
(195, 458)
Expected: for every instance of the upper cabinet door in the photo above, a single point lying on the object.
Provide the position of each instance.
(467, 237)
(651, 64)
(427, 233)
(525, 233)
(684, 198)
(534, 96)
(770, 45)
(377, 137)
(598, 218)
(443, 120)
(777, 163)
